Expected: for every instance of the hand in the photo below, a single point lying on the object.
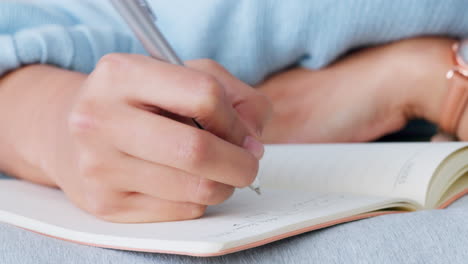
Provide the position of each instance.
(362, 97)
(116, 153)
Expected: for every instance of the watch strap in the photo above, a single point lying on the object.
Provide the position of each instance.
(455, 102)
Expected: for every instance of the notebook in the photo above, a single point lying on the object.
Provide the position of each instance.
(304, 188)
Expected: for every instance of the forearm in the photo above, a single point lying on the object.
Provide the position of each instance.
(31, 100)
(361, 97)
(347, 102)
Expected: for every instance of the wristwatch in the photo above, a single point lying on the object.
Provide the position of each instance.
(456, 99)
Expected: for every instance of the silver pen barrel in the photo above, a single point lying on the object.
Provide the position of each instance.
(141, 20)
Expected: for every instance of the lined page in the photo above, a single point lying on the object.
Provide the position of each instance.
(380, 169)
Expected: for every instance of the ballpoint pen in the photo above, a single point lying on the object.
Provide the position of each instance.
(141, 20)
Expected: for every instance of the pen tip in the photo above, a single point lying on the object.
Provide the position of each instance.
(255, 189)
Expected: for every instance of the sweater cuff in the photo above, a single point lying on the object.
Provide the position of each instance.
(9, 59)
(75, 48)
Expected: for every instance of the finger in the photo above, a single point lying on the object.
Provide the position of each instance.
(160, 140)
(133, 175)
(253, 107)
(141, 208)
(179, 90)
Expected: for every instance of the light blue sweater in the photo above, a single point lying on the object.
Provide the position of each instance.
(252, 38)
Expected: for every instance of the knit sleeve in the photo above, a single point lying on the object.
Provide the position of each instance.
(252, 39)
(68, 34)
(256, 38)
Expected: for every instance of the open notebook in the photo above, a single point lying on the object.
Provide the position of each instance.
(304, 187)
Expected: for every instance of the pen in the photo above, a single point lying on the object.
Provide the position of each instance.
(141, 20)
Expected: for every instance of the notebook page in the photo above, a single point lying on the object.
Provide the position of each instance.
(381, 169)
(245, 218)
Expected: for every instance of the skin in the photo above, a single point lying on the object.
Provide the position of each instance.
(363, 96)
(108, 142)
(75, 128)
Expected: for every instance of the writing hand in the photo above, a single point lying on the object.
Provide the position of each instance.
(117, 147)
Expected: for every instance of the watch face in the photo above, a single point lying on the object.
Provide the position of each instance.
(462, 53)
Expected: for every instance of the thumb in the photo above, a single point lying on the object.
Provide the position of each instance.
(254, 110)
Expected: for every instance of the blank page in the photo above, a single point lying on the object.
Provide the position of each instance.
(377, 169)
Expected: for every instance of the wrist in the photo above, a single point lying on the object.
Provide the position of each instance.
(428, 66)
(34, 102)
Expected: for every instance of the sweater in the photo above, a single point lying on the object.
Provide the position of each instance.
(251, 38)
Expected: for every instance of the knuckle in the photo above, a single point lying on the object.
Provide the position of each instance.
(98, 202)
(112, 65)
(110, 61)
(208, 85)
(101, 209)
(197, 211)
(105, 81)
(82, 119)
(210, 94)
(91, 168)
(209, 65)
(207, 192)
(193, 150)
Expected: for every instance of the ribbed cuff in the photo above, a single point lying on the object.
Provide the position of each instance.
(9, 59)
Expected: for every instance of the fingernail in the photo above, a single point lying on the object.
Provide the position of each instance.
(254, 146)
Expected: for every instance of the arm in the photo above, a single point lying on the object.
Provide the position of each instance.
(362, 97)
(31, 98)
